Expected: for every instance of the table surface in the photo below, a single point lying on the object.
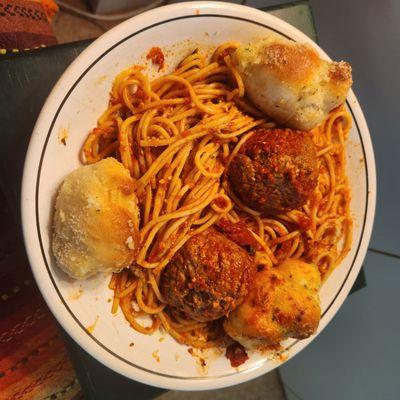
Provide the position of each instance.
(27, 79)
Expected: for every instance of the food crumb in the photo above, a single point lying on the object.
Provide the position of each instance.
(63, 136)
(90, 328)
(76, 295)
(156, 356)
(190, 351)
(177, 356)
(161, 339)
(282, 357)
(109, 300)
(131, 344)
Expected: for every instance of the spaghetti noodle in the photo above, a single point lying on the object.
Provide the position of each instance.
(176, 135)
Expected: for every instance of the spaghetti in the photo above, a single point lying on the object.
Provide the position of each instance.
(176, 135)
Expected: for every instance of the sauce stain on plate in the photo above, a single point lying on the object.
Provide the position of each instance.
(100, 79)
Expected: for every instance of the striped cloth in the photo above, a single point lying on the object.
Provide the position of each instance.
(24, 25)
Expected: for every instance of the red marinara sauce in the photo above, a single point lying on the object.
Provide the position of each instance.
(156, 56)
(238, 233)
(236, 354)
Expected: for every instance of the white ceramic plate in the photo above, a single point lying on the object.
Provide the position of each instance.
(73, 107)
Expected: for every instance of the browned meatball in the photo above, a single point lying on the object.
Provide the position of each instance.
(208, 277)
(275, 170)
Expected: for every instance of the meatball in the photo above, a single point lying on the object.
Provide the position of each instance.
(208, 277)
(290, 82)
(283, 303)
(275, 170)
(96, 220)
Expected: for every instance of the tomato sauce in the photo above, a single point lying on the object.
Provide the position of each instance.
(157, 57)
(238, 233)
(236, 354)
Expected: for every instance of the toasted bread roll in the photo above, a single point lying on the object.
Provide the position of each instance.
(290, 82)
(96, 220)
(283, 303)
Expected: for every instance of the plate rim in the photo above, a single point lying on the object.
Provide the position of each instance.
(183, 10)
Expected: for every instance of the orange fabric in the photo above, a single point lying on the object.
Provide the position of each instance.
(24, 25)
(50, 8)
